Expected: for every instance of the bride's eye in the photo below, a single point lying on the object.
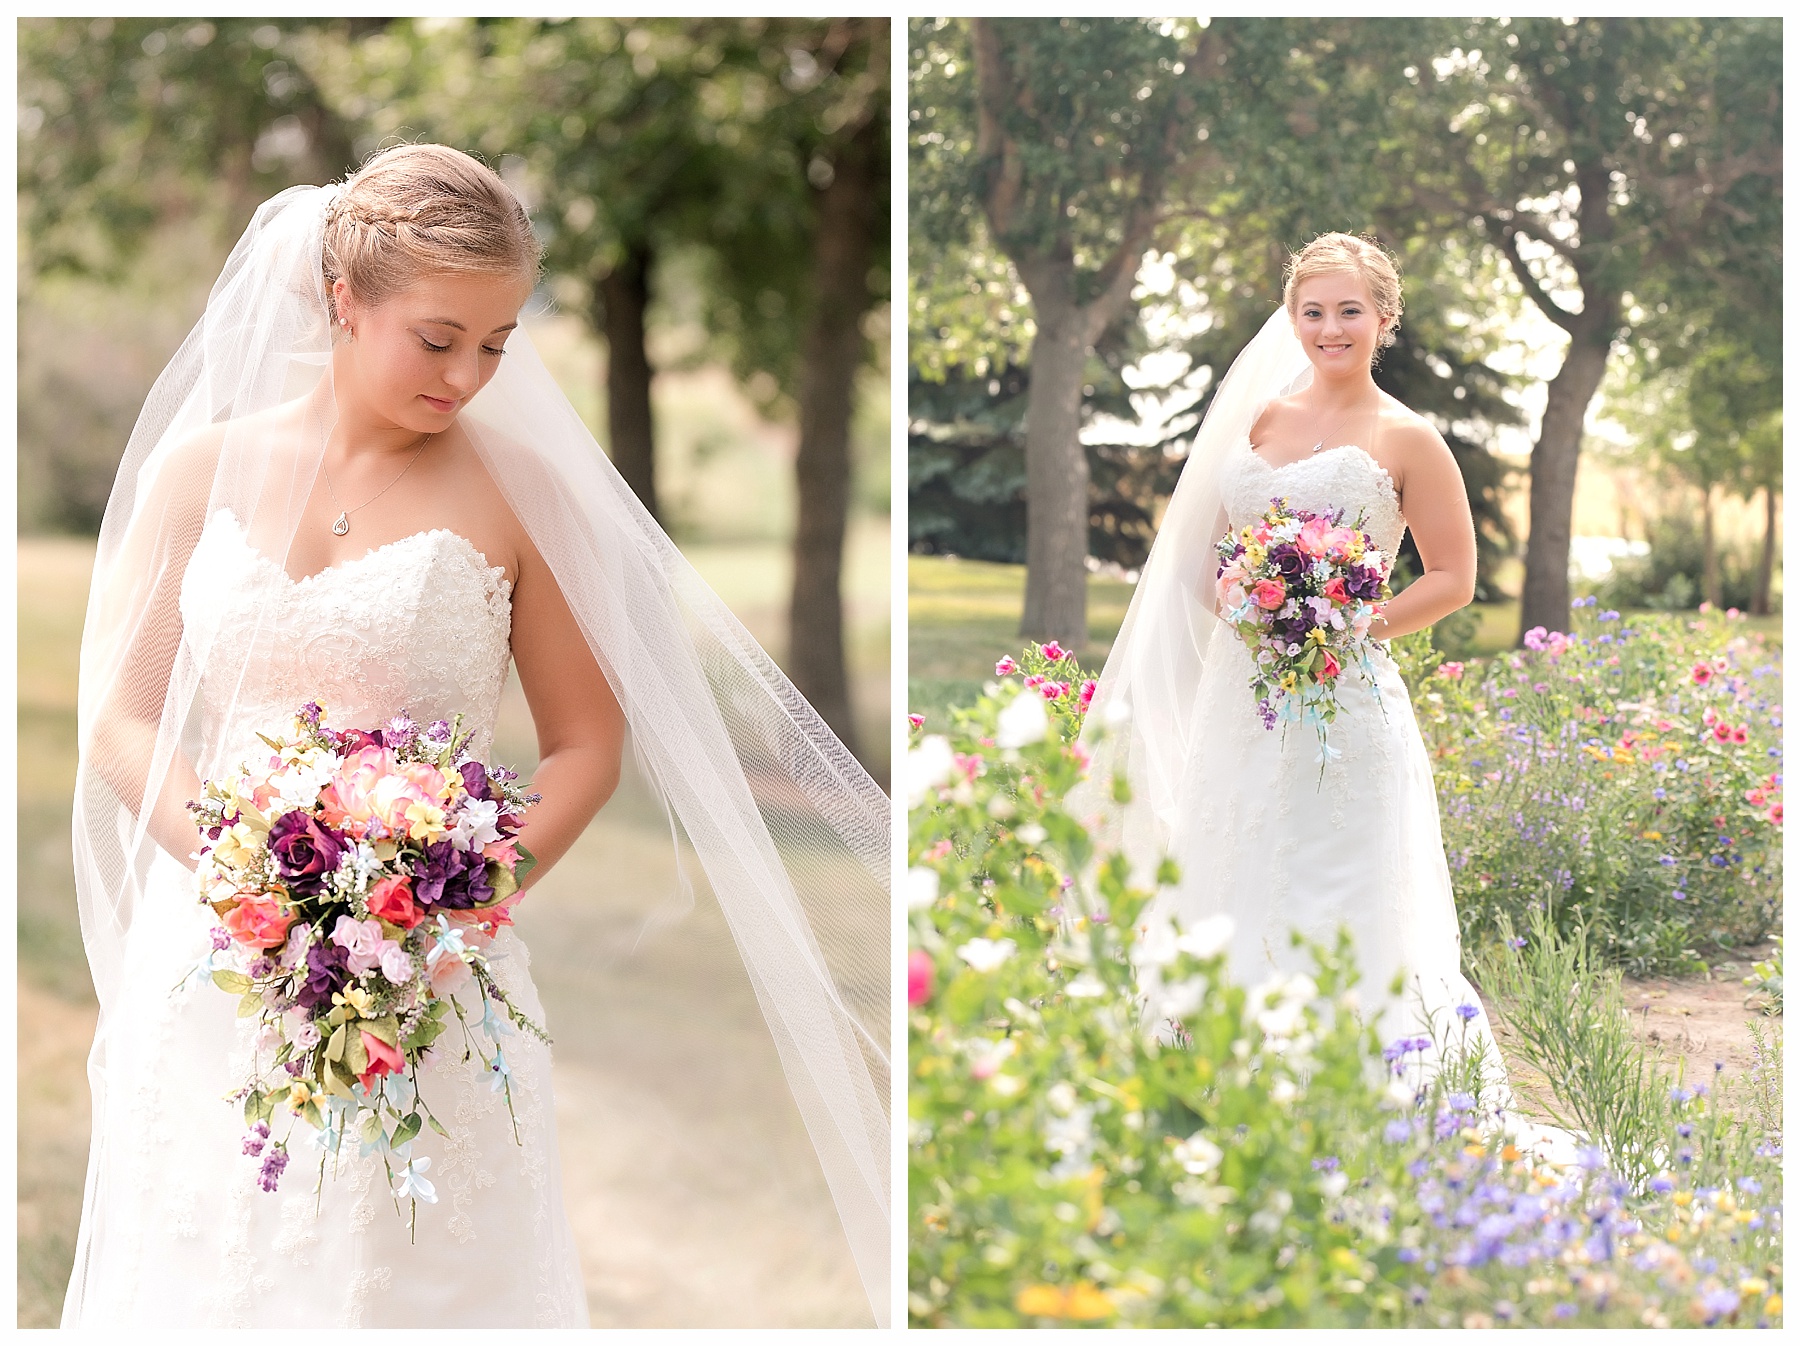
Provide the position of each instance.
(492, 351)
(430, 347)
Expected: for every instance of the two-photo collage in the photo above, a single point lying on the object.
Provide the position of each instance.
(899, 672)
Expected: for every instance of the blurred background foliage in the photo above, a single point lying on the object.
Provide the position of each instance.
(711, 193)
(1587, 215)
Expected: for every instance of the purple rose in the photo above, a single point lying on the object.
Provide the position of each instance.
(1363, 582)
(305, 851)
(1288, 561)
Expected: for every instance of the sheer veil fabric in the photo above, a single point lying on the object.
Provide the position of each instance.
(792, 834)
(1142, 721)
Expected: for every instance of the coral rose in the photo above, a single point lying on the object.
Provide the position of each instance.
(391, 901)
(1270, 594)
(383, 1059)
(258, 922)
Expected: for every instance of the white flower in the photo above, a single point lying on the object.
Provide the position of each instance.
(1061, 1096)
(1207, 938)
(1032, 834)
(1267, 1221)
(1085, 986)
(1283, 1091)
(1197, 1154)
(1182, 998)
(1332, 1185)
(1023, 721)
(984, 955)
(927, 767)
(1282, 1020)
(1155, 947)
(921, 887)
(1006, 1085)
(396, 963)
(476, 824)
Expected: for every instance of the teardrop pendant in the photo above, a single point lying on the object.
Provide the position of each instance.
(341, 524)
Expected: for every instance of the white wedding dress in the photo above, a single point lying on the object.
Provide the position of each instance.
(181, 1235)
(1259, 836)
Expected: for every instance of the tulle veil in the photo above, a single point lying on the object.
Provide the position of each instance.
(1141, 722)
(792, 834)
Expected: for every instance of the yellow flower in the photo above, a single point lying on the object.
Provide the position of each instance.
(1316, 635)
(1753, 1285)
(425, 822)
(357, 999)
(1682, 1198)
(298, 1096)
(1083, 1302)
(1773, 1307)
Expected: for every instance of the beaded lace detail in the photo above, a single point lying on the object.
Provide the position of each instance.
(422, 625)
(1347, 478)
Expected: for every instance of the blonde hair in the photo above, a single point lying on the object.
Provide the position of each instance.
(416, 209)
(1349, 252)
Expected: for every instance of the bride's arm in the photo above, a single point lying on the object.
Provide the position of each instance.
(137, 635)
(1437, 511)
(580, 726)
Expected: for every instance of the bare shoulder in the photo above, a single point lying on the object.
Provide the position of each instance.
(1409, 440)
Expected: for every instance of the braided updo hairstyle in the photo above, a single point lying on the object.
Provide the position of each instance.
(416, 209)
(1347, 252)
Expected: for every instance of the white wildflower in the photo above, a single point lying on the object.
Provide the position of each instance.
(984, 955)
(921, 887)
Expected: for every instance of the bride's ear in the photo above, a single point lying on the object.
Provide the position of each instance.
(343, 304)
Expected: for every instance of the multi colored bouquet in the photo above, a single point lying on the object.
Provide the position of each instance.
(359, 876)
(1301, 589)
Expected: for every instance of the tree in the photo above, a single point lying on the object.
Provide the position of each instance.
(1067, 139)
(1598, 156)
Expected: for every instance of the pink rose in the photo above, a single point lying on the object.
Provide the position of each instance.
(1331, 668)
(383, 1059)
(1336, 592)
(1269, 594)
(348, 799)
(920, 972)
(1312, 536)
(258, 922)
(396, 963)
(447, 973)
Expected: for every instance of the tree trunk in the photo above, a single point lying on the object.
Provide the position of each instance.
(620, 298)
(1710, 588)
(1765, 570)
(1554, 459)
(1056, 478)
(831, 355)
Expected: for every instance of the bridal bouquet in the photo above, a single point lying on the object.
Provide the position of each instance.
(358, 877)
(1301, 589)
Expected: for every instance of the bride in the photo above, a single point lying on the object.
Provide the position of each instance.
(357, 485)
(1267, 828)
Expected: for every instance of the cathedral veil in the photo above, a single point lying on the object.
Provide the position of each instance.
(790, 831)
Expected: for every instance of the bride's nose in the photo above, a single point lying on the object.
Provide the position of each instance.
(463, 376)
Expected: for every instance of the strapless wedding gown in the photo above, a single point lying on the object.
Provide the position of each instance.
(1262, 838)
(179, 1233)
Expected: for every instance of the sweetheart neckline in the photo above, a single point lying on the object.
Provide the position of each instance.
(472, 550)
(1386, 476)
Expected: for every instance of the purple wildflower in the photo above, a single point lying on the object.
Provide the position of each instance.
(273, 1164)
(1468, 1012)
(259, 1134)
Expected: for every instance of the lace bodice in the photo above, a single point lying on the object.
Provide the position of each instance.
(1346, 478)
(420, 625)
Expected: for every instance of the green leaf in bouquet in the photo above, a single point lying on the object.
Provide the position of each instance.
(387, 1028)
(337, 1080)
(284, 1054)
(502, 880)
(310, 1114)
(527, 862)
(356, 1056)
(371, 1129)
(253, 1107)
(410, 1126)
(437, 1126)
(234, 983)
(334, 1047)
(423, 1035)
(250, 1004)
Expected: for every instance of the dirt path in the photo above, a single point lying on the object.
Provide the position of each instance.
(1697, 1021)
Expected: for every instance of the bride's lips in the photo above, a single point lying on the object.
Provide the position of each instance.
(441, 404)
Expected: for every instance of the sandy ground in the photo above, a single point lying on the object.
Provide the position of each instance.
(1696, 1021)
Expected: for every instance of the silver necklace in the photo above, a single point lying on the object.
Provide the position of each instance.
(341, 524)
(1320, 446)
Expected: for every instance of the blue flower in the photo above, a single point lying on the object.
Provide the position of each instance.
(1397, 1131)
(1468, 1012)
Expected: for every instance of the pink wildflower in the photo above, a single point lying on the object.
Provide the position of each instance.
(1451, 670)
(1702, 674)
(1051, 691)
(1053, 652)
(920, 972)
(1005, 666)
(916, 721)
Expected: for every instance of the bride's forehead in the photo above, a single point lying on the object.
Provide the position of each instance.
(1338, 286)
(474, 299)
